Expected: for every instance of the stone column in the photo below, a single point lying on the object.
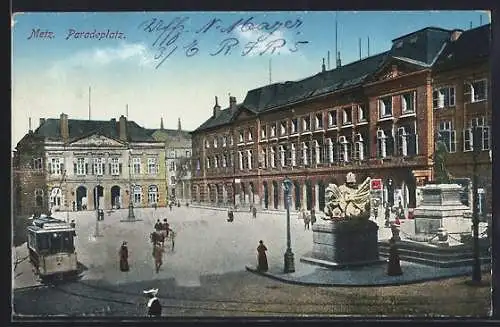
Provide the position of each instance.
(304, 196)
(316, 198)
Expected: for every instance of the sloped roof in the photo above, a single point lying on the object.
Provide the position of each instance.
(473, 44)
(421, 46)
(225, 117)
(51, 129)
(170, 133)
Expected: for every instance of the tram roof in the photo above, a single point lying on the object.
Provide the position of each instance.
(46, 223)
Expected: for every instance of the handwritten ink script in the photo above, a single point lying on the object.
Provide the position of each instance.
(244, 36)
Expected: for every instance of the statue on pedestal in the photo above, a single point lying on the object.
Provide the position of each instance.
(348, 201)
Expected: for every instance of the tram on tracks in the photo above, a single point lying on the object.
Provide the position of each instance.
(51, 248)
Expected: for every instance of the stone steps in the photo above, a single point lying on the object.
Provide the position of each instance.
(435, 256)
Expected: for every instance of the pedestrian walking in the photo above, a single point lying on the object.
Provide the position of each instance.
(394, 264)
(306, 218)
(124, 257)
(158, 257)
(254, 212)
(262, 265)
(170, 206)
(230, 216)
(153, 305)
(313, 216)
(158, 225)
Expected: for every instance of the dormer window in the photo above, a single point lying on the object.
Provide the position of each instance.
(295, 126)
(362, 114)
(283, 128)
(263, 133)
(408, 102)
(347, 116)
(306, 123)
(399, 45)
(414, 39)
(332, 118)
(385, 107)
(319, 120)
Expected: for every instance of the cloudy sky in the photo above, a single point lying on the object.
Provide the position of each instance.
(172, 65)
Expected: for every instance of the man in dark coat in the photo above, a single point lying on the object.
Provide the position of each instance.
(254, 212)
(158, 225)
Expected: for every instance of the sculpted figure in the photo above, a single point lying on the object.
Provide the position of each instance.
(348, 201)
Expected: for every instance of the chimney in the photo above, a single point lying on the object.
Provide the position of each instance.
(323, 68)
(179, 124)
(455, 34)
(42, 121)
(63, 121)
(339, 63)
(122, 128)
(30, 130)
(216, 107)
(232, 103)
(161, 123)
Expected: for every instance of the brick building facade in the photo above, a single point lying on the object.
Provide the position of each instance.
(374, 117)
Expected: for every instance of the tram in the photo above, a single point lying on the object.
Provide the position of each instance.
(51, 247)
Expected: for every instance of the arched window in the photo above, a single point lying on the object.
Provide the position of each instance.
(39, 197)
(153, 195)
(56, 197)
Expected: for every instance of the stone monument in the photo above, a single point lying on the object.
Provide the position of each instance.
(345, 236)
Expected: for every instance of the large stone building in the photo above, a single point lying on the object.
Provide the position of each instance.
(376, 117)
(177, 160)
(68, 164)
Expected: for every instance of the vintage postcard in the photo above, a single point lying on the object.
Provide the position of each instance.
(251, 164)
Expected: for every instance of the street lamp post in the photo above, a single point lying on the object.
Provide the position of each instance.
(96, 204)
(289, 260)
(476, 142)
(131, 216)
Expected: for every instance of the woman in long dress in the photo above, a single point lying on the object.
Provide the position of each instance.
(262, 257)
(124, 257)
(158, 257)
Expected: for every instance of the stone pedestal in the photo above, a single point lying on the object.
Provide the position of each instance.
(441, 208)
(345, 243)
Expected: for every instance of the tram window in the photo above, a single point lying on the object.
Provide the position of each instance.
(31, 240)
(55, 242)
(67, 242)
(42, 242)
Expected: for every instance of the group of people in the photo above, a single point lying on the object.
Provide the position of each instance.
(230, 213)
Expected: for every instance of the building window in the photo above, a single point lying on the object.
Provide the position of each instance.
(347, 116)
(152, 166)
(241, 137)
(216, 162)
(207, 144)
(294, 154)
(240, 160)
(224, 141)
(283, 128)
(402, 146)
(273, 130)
(249, 159)
(306, 124)
(188, 153)
(385, 107)
(362, 114)
(172, 154)
(295, 126)
(282, 156)
(215, 141)
(231, 141)
(319, 120)
(172, 166)
(114, 166)
(137, 166)
(137, 195)
(224, 160)
(37, 164)
(475, 91)
(385, 144)
(447, 135)
(153, 195)
(250, 136)
(317, 152)
(263, 134)
(98, 166)
(305, 154)
(344, 149)
(330, 150)
(443, 97)
(479, 122)
(208, 162)
(172, 180)
(408, 102)
(263, 158)
(273, 157)
(359, 149)
(80, 167)
(39, 197)
(56, 166)
(332, 118)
